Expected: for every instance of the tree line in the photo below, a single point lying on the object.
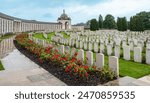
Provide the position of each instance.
(139, 22)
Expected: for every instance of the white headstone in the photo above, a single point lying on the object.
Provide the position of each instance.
(102, 48)
(148, 56)
(131, 45)
(126, 52)
(96, 47)
(81, 44)
(117, 51)
(137, 54)
(89, 56)
(85, 45)
(62, 49)
(67, 49)
(90, 46)
(114, 65)
(99, 60)
(73, 50)
(77, 44)
(109, 49)
(80, 55)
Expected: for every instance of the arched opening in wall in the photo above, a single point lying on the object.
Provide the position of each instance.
(66, 25)
(61, 25)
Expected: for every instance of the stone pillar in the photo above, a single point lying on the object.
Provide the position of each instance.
(137, 54)
(99, 60)
(117, 51)
(114, 65)
(126, 52)
(80, 55)
(89, 56)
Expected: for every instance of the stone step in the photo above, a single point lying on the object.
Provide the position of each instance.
(145, 79)
(121, 81)
(127, 81)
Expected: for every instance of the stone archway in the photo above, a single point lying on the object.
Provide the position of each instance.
(66, 25)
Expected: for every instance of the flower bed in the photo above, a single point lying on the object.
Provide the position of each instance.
(65, 67)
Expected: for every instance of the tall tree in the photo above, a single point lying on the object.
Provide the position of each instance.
(94, 25)
(145, 16)
(109, 22)
(122, 24)
(100, 22)
(119, 24)
(136, 23)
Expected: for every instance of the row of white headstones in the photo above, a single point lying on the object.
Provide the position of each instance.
(128, 41)
(99, 63)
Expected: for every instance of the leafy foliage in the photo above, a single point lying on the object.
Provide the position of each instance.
(94, 25)
(109, 22)
(122, 24)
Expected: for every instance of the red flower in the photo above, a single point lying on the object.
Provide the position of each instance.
(66, 70)
(86, 67)
(73, 59)
(94, 67)
(40, 60)
(86, 74)
(75, 54)
(75, 70)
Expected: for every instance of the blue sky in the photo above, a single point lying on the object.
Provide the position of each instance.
(78, 10)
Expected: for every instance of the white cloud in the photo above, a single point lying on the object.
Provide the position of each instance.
(81, 12)
(115, 7)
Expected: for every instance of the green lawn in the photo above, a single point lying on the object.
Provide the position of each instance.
(1, 66)
(65, 35)
(128, 68)
(40, 36)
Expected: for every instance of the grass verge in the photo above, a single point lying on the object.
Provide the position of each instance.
(1, 66)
